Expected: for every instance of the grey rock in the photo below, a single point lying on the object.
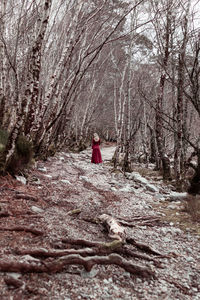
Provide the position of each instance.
(90, 274)
(37, 209)
(152, 188)
(166, 240)
(22, 179)
(172, 206)
(65, 181)
(189, 258)
(44, 169)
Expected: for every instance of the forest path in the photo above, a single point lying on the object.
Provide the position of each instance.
(62, 198)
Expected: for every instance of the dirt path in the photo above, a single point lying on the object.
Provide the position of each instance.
(61, 195)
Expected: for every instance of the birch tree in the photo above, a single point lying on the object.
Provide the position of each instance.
(179, 154)
(31, 89)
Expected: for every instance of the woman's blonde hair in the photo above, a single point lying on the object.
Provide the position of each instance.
(96, 137)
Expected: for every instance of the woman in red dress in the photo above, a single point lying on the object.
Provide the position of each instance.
(96, 153)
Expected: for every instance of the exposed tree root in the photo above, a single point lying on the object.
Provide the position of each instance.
(10, 281)
(94, 252)
(128, 252)
(115, 231)
(99, 245)
(142, 222)
(41, 252)
(4, 214)
(58, 265)
(23, 228)
(143, 247)
(25, 197)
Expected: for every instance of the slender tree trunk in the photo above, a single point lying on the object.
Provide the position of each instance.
(163, 162)
(2, 64)
(179, 155)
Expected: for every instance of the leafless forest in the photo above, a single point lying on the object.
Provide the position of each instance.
(126, 69)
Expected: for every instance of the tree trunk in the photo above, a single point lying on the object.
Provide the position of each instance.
(31, 92)
(163, 162)
(194, 188)
(181, 76)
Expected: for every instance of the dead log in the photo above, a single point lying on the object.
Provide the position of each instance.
(59, 264)
(22, 228)
(115, 231)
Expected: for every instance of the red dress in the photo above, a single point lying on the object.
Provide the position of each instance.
(96, 153)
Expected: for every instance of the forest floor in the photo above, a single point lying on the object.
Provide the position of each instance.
(56, 212)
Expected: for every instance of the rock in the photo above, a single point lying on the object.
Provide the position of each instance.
(172, 206)
(48, 176)
(126, 189)
(65, 181)
(42, 169)
(166, 240)
(164, 289)
(22, 179)
(61, 158)
(14, 275)
(189, 258)
(113, 189)
(176, 230)
(13, 282)
(138, 178)
(84, 178)
(90, 274)
(37, 209)
(174, 196)
(152, 188)
(35, 181)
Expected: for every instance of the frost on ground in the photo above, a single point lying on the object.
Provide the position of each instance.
(61, 202)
